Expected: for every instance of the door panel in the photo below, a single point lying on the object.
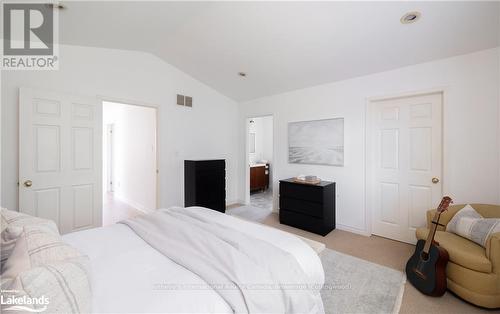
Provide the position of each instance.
(82, 202)
(390, 148)
(47, 203)
(47, 107)
(389, 198)
(420, 201)
(59, 158)
(421, 149)
(47, 148)
(83, 147)
(407, 154)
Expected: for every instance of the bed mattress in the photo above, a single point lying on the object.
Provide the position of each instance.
(128, 275)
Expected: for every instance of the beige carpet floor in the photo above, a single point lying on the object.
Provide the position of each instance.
(388, 253)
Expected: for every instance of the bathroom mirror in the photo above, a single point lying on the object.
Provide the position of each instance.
(251, 143)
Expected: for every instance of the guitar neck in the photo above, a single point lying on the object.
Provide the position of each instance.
(432, 232)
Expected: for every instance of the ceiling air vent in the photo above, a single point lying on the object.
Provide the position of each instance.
(180, 100)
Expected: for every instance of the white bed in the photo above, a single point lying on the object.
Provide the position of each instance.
(128, 275)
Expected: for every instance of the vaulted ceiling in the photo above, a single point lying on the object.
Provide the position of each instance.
(282, 45)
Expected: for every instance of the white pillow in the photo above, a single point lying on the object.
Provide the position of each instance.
(14, 218)
(64, 287)
(41, 265)
(468, 223)
(8, 239)
(3, 221)
(36, 246)
(12, 227)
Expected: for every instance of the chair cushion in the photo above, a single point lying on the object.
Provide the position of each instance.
(462, 251)
(487, 211)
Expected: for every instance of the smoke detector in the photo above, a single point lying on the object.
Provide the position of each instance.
(410, 17)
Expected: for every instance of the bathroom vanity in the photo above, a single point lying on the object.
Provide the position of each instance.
(259, 177)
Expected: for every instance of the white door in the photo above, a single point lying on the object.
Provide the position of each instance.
(60, 145)
(406, 161)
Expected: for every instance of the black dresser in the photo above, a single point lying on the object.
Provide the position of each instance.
(308, 207)
(205, 183)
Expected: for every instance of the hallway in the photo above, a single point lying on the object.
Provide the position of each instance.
(115, 210)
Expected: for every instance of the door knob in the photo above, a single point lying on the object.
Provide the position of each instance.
(435, 180)
(28, 183)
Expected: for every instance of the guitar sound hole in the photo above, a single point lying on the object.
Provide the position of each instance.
(424, 256)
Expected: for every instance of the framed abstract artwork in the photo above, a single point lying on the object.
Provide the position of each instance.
(316, 142)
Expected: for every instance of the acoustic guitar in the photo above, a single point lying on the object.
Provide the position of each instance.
(426, 269)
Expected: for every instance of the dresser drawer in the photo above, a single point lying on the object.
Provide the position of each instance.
(305, 222)
(210, 165)
(301, 206)
(301, 192)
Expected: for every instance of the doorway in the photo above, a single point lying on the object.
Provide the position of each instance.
(404, 163)
(260, 156)
(259, 172)
(129, 160)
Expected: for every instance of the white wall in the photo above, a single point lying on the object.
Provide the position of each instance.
(471, 120)
(134, 153)
(1, 132)
(263, 129)
(204, 131)
(267, 138)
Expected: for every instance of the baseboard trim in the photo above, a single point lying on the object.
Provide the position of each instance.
(353, 230)
(234, 202)
(133, 204)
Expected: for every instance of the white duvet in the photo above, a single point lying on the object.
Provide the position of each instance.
(128, 275)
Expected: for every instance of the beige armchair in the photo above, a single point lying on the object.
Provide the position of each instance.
(473, 272)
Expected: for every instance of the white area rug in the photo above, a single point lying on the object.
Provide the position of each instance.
(262, 199)
(256, 215)
(318, 247)
(353, 285)
(249, 212)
